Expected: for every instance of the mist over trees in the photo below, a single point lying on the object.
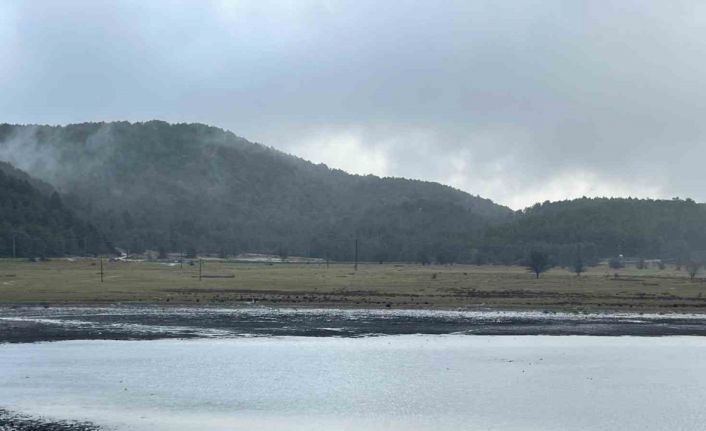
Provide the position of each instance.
(194, 189)
(35, 223)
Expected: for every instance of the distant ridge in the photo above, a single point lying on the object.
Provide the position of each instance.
(603, 227)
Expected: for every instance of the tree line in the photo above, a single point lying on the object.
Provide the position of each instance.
(33, 224)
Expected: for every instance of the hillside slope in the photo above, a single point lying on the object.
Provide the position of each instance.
(35, 223)
(602, 227)
(190, 186)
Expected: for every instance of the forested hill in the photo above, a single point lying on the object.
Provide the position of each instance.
(35, 223)
(193, 187)
(38, 184)
(602, 227)
(190, 187)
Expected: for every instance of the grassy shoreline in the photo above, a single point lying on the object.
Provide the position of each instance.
(77, 282)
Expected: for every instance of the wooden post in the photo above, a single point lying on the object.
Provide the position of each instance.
(101, 269)
(200, 268)
(355, 267)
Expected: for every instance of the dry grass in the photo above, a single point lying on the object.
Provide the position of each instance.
(403, 285)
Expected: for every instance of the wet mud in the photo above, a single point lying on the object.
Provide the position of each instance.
(33, 324)
(15, 422)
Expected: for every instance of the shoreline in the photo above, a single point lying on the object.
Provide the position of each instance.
(12, 421)
(148, 322)
(375, 301)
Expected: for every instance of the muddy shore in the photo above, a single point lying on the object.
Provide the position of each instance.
(33, 324)
(10, 421)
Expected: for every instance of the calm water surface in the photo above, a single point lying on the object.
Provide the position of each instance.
(405, 382)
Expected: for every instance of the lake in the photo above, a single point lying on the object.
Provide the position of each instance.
(399, 382)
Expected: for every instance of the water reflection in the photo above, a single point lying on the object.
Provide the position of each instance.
(408, 382)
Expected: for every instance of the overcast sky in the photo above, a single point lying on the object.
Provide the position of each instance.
(517, 101)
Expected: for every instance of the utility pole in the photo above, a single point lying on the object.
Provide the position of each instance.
(101, 269)
(200, 268)
(14, 253)
(355, 268)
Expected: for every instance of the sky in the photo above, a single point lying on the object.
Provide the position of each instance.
(517, 101)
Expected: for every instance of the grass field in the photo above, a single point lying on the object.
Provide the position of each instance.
(58, 282)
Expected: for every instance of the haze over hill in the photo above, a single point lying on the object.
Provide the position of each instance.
(587, 99)
(34, 221)
(194, 187)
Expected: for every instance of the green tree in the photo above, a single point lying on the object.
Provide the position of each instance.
(578, 265)
(692, 268)
(538, 262)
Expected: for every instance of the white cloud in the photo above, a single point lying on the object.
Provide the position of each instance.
(8, 40)
(578, 184)
(343, 150)
(517, 101)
